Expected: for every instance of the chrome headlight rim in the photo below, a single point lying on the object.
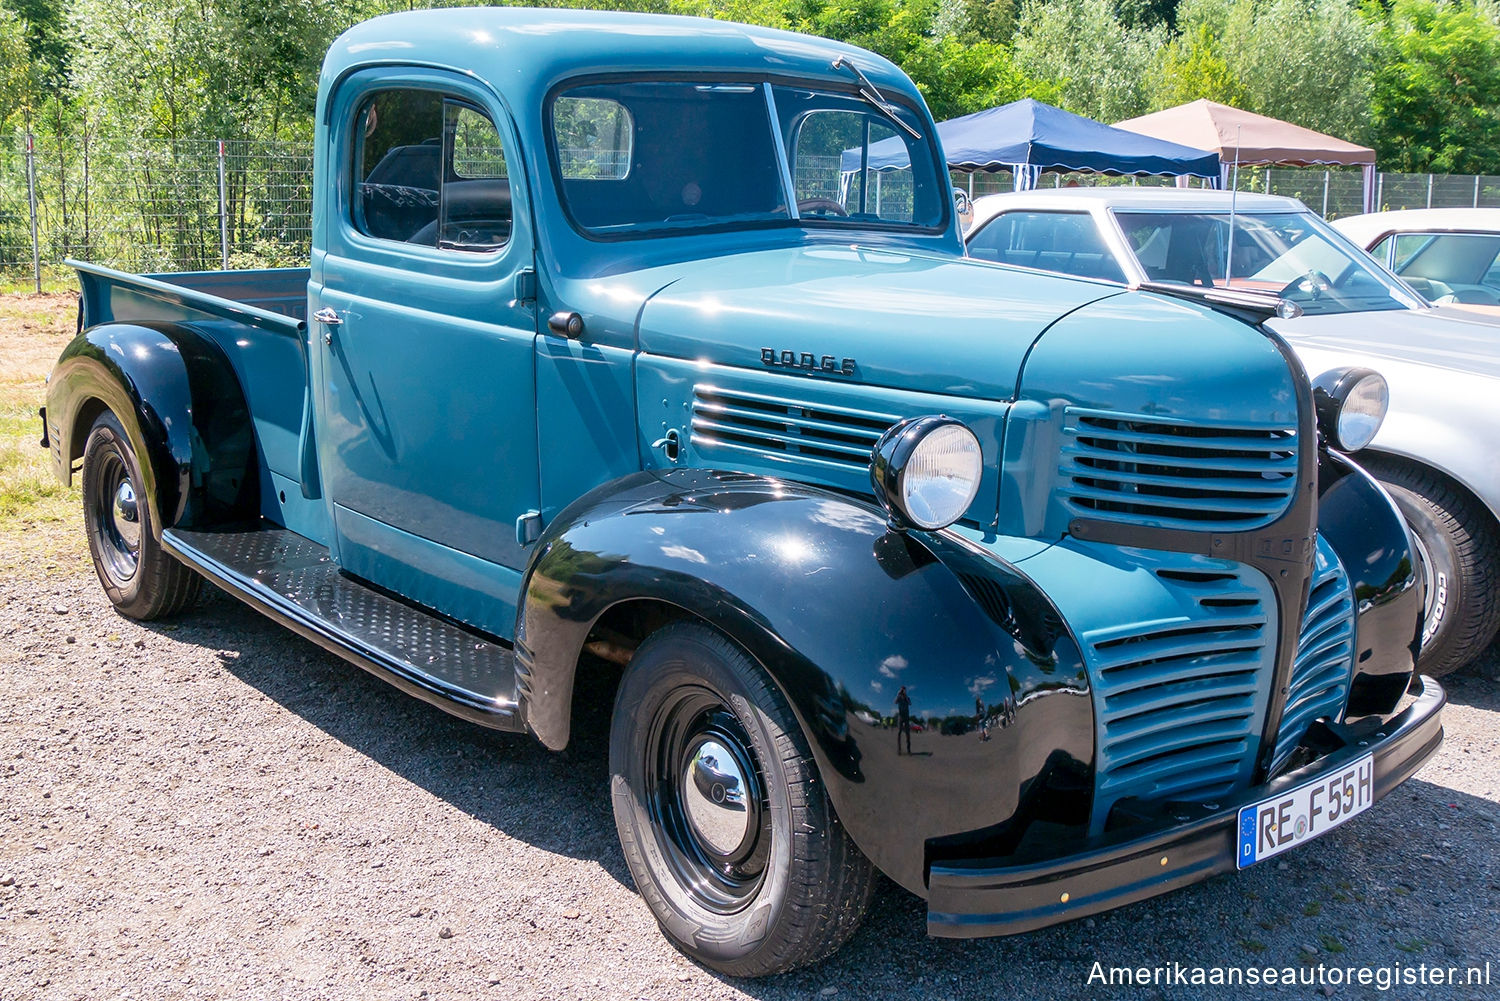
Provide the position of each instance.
(1351, 405)
(891, 462)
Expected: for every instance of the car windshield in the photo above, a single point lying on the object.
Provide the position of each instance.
(652, 157)
(1451, 267)
(1291, 253)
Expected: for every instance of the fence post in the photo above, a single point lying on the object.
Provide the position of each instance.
(1379, 192)
(223, 214)
(1429, 191)
(1476, 191)
(1326, 175)
(36, 246)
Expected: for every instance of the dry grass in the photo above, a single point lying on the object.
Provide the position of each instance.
(41, 529)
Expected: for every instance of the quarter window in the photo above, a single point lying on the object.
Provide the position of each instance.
(1067, 242)
(430, 171)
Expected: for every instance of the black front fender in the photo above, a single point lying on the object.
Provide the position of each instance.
(841, 612)
(181, 405)
(1365, 528)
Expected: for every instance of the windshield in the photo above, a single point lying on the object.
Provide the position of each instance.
(650, 157)
(1450, 267)
(1290, 253)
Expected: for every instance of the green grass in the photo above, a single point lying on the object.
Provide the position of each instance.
(40, 529)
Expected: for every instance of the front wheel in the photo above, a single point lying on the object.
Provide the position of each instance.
(138, 576)
(722, 818)
(1457, 557)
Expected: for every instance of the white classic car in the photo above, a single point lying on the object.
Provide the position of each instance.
(1451, 256)
(1436, 451)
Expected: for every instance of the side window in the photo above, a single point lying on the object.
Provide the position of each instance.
(1408, 245)
(1066, 242)
(431, 171)
(1382, 250)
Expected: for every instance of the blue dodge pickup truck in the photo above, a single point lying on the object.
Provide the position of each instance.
(1038, 595)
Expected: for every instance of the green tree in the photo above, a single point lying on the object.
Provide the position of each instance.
(1435, 97)
(1100, 67)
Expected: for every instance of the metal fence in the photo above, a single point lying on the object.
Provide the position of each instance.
(201, 204)
(1331, 192)
(194, 204)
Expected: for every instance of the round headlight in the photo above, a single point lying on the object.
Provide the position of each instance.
(926, 471)
(1351, 405)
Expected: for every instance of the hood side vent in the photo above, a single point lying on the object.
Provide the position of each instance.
(797, 432)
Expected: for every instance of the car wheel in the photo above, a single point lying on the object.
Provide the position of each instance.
(140, 579)
(723, 821)
(1456, 556)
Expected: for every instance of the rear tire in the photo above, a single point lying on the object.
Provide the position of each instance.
(721, 814)
(1457, 557)
(138, 576)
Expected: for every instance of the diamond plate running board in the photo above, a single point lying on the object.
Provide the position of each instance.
(292, 579)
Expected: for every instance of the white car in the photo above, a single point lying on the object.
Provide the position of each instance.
(1436, 452)
(1451, 256)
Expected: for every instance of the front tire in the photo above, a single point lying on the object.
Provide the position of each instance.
(1457, 557)
(722, 817)
(138, 576)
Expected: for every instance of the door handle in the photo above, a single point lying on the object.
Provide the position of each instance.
(330, 318)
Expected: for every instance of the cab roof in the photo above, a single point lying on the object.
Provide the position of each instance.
(522, 52)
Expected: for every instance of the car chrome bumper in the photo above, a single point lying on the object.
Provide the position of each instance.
(980, 898)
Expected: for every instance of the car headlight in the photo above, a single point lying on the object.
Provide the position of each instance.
(926, 471)
(1351, 405)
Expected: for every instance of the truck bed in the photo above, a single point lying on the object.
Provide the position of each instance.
(258, 320)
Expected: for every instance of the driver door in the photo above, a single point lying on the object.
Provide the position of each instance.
(427, 418)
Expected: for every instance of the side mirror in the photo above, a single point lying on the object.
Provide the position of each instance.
(964, 206)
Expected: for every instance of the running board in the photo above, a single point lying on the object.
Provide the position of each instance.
(292, 580)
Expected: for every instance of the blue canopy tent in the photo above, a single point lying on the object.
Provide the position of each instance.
(1028, 137)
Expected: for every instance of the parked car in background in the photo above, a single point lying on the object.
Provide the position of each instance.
(1436, 451)
(1451, 256)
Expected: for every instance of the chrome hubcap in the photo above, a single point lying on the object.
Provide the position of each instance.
(713, 793)
(127, 519)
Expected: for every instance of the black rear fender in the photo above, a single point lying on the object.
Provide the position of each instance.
(182, 407)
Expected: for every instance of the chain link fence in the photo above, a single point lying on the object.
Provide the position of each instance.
(186, 205)
(202, 204)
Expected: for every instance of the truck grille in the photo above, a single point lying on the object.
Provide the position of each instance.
(1180, 702)
(1149, 471)
(1325, 653)
(820, 434)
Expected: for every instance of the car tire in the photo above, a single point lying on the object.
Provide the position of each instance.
(1456, 556)
(138, 576)
(750, 884)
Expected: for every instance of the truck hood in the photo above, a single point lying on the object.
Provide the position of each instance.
(1437, 338)
(908, 321)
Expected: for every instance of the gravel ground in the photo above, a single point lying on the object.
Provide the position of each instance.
(215, 808)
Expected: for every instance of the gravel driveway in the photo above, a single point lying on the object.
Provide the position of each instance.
(216, 808)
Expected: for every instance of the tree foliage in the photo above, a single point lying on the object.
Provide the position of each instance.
(1419, 79)
(1434, 101)
(1101, 68)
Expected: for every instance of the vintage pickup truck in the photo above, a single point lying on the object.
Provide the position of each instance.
(1039, 595)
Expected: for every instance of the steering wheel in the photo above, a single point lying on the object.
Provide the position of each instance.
(821, 206)
(1312, 285)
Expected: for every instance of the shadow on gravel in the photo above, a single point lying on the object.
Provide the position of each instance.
(1405, 883)
(1468, 689)
(556, 802)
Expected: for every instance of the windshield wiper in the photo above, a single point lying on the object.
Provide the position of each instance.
(876, 99)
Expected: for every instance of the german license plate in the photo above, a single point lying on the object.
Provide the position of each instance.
(1274, 825)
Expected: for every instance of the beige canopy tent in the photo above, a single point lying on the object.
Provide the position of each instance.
(1247, 138)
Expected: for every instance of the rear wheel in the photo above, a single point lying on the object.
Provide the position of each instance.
(722, 819)
(139, 578)
(1457, 558)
